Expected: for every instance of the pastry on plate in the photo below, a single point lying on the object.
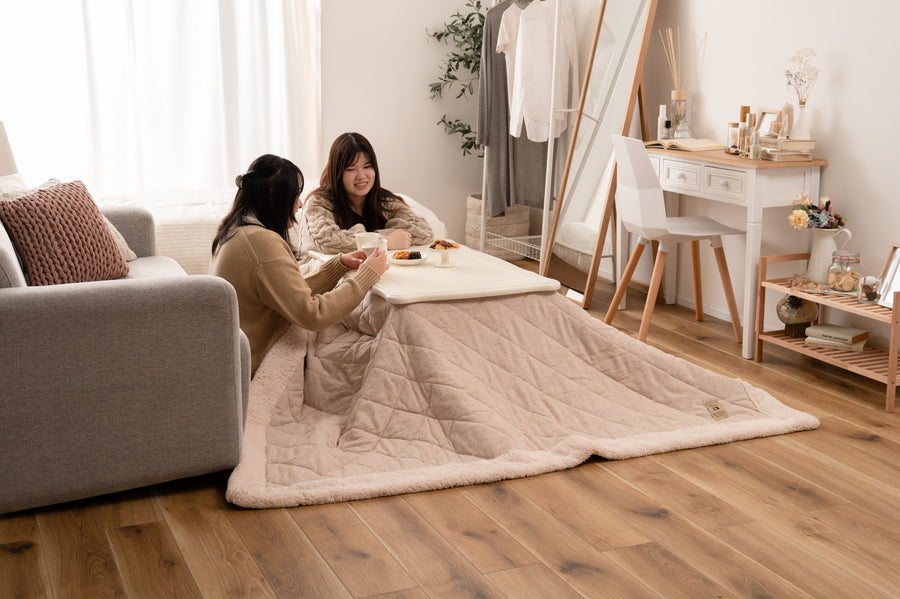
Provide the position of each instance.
(407, 255)
(444, 244)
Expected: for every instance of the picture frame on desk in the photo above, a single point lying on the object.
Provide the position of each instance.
(768, 117)
(890, 277)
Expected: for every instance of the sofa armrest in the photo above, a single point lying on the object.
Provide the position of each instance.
(112, 385)
(136, 225)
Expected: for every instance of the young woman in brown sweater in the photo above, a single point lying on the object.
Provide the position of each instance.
(252, 251)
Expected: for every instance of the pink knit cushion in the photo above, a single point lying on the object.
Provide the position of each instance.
(60, 236)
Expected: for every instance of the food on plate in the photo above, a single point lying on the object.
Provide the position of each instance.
(407, 255)
(444, 244)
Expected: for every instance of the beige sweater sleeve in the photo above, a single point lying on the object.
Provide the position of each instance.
(262, 268)
(306, 302)
(319, 231)
(401, 216)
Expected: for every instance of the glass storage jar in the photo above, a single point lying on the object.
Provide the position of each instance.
(868, 292)
(844, 272)
(834, 271)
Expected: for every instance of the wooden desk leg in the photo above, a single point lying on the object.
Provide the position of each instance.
(760, 308)
(892, 355)
(751, 281)
(698, 283)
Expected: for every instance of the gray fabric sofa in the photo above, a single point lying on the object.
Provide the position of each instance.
(112, 385)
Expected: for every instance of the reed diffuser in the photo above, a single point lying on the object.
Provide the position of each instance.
(678, 111)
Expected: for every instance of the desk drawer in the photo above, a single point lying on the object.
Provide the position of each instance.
(724, 183)
(683, 175)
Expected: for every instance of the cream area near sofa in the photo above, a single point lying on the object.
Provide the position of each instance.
(187, 220)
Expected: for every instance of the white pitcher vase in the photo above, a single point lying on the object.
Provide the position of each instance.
(824, 242)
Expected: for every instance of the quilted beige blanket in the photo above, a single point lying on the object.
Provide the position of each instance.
(400, 399)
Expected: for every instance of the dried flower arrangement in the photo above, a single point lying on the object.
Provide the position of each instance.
(806, 215)
(801, 74)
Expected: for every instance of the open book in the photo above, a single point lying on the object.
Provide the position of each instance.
(688, 144)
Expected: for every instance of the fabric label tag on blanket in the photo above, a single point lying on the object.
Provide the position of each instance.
(716, 410)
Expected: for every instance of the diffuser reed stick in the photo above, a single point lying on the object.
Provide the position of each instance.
(672, 49)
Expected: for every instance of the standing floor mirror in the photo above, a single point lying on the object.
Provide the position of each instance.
(582, 214)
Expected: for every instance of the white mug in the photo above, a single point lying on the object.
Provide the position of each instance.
(368, 241)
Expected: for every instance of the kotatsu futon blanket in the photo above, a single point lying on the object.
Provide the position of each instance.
(430, 395)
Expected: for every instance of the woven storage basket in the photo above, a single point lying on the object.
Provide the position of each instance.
(514, 223)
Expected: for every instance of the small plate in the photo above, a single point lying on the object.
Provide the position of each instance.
(397, 262)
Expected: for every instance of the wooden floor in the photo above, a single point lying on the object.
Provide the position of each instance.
(811, 514)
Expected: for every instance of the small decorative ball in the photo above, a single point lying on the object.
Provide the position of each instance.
(794, 310)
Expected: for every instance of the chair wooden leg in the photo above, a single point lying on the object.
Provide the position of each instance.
(698, 285)
(622, 285)
(659, 266)
(729, 293)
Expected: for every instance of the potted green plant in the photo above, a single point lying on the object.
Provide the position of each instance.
(459, 70)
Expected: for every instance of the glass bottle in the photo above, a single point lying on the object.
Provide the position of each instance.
(755, 150)
(678, 114)
(733, 138)
(868, 290)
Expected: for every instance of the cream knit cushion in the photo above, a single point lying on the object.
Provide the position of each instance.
(61, 236)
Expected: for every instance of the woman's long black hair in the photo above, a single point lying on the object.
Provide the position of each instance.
(344, 152)
(266, 192)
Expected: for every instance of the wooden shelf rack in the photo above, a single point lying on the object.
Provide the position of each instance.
(873, 362)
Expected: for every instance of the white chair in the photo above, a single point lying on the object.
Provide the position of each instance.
(640, 204)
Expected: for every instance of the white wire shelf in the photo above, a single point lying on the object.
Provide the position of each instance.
(528, 246)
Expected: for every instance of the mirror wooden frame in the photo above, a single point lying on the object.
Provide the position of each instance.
(768, 116)
(890, 277)
(610, 184)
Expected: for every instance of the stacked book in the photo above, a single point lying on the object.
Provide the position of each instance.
(834, 336)
(786, 150)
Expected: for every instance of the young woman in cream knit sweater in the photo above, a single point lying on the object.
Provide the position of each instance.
(350, 200)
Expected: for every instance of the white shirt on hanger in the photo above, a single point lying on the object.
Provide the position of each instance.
(533, 66)
(507, 38)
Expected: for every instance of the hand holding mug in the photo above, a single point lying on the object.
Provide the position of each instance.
(353, 259)
(369, 240)
(377, 261)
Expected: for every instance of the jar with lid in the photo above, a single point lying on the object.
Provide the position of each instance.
(733, 139)
(869, 289)
(844, 272)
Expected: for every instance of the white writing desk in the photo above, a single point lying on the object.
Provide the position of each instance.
(475, 274)
(751, 184)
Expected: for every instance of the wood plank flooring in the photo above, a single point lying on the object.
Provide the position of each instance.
(806, 515)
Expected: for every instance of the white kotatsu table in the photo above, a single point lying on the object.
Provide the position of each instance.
(473, 274)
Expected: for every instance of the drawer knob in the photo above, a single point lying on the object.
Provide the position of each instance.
(723, 184)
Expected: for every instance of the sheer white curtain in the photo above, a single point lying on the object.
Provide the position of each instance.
(150, 95)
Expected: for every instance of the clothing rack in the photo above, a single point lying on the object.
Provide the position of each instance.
(532, 246)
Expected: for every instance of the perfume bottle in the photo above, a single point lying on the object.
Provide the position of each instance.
(661, 122)
(755, 150)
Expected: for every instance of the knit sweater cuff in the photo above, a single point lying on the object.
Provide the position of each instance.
(366, 276)
(334, 269)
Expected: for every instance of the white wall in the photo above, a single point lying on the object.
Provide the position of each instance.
(851, 108)
(377, 62)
